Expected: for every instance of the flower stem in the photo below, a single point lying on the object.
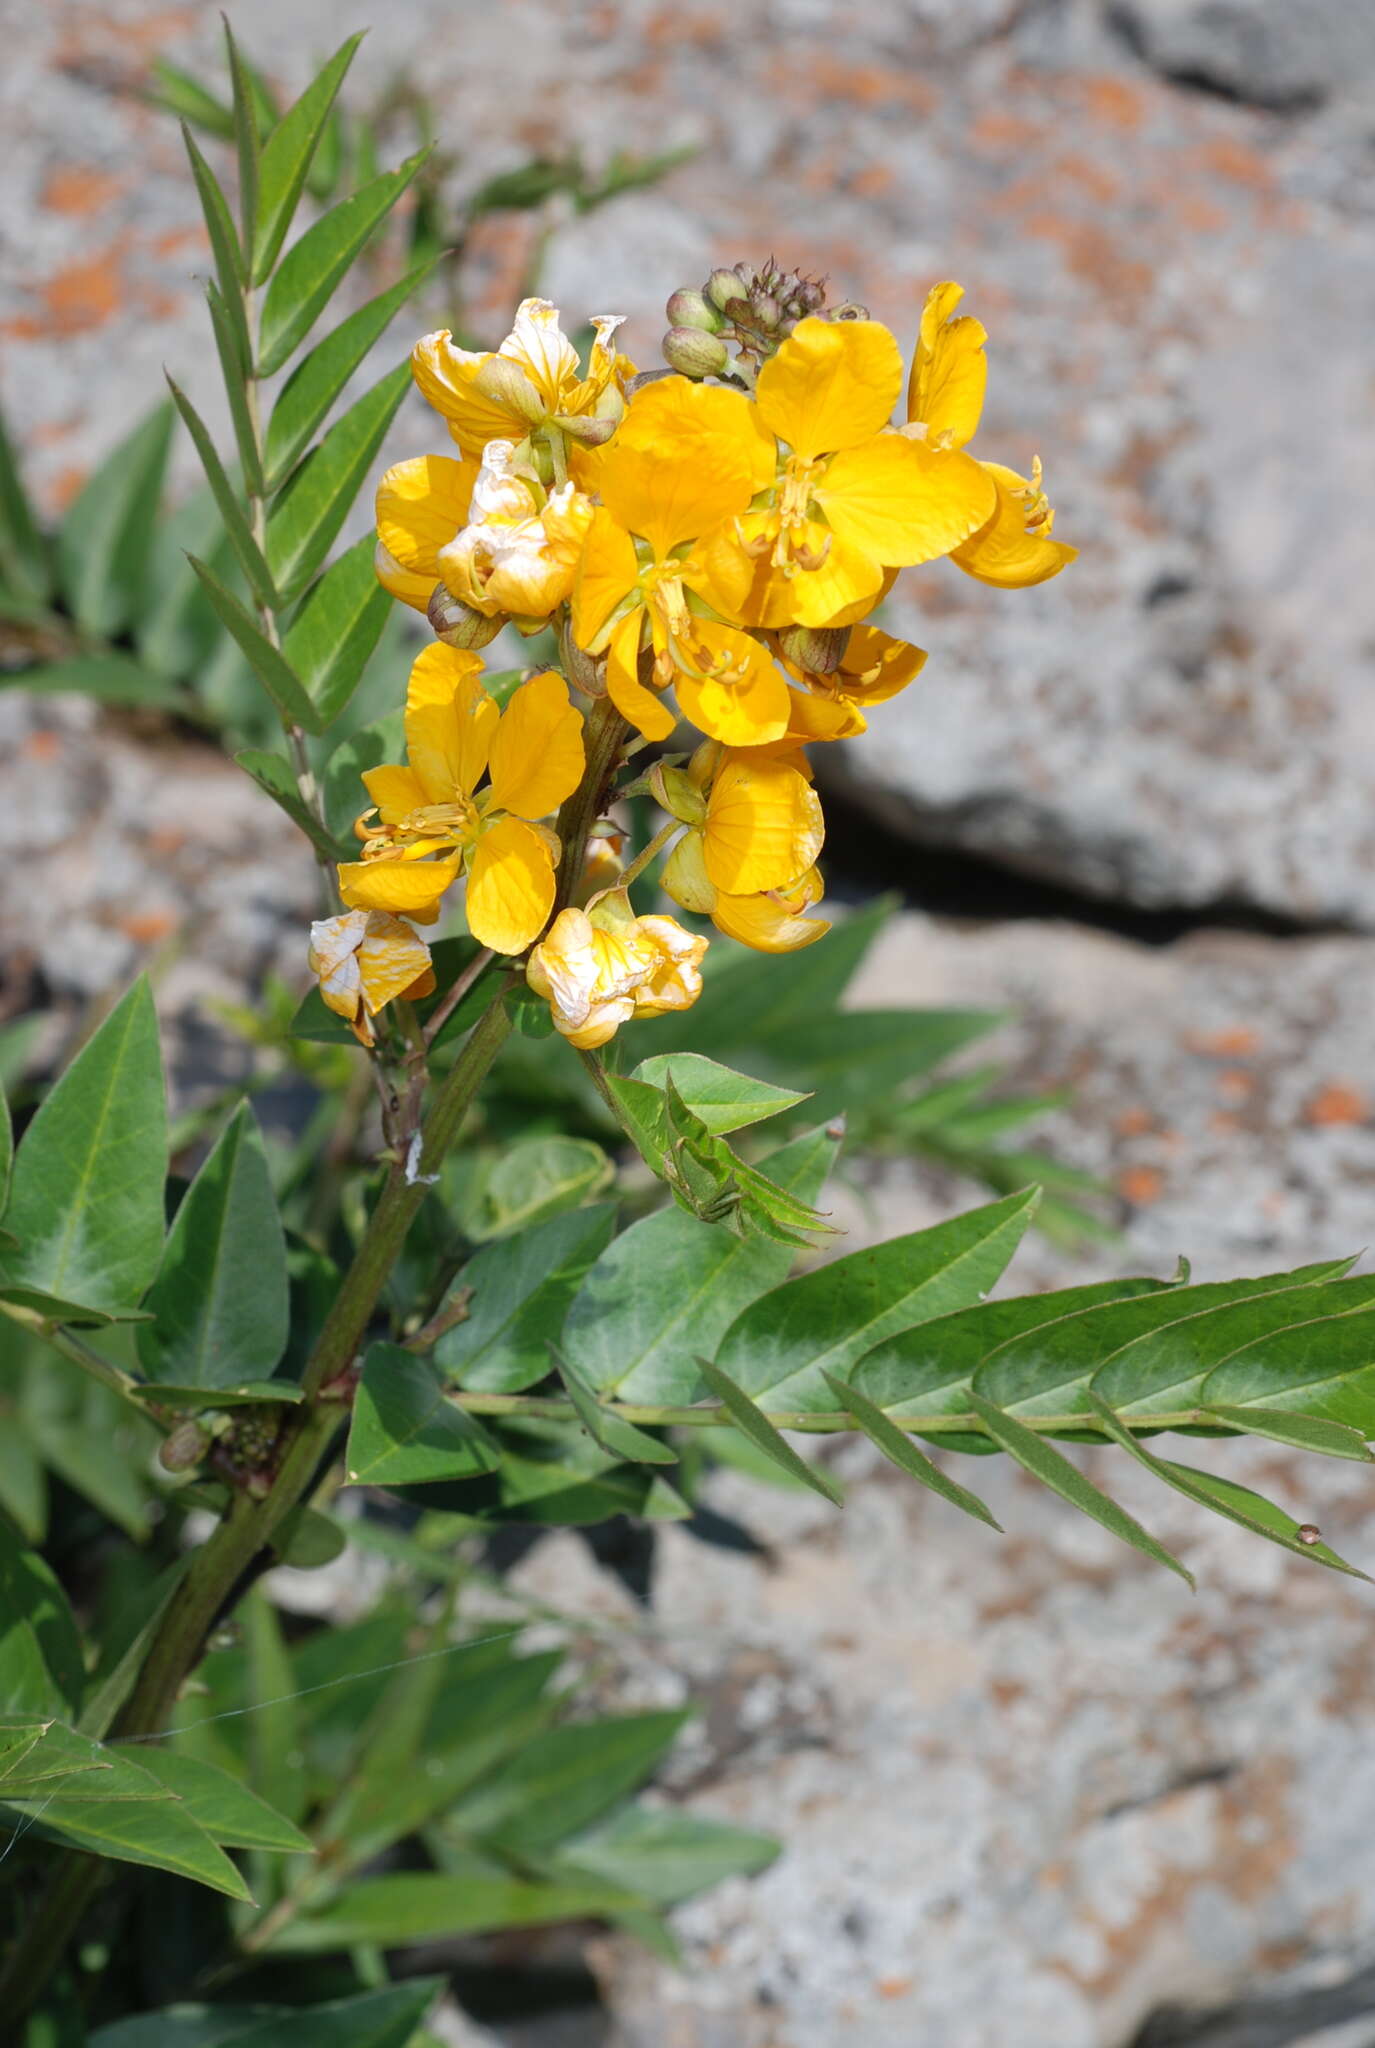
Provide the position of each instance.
(603, 737)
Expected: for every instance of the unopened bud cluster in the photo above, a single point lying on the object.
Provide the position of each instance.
(756, 307)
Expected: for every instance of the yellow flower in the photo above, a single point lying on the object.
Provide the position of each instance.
(687, 457)
(748, 858)
(519, 552)
(599, 967)
(851, 500)
(532, 753)
(1012, 548)
(532, 378)
(831, 705)
(421, 504)
(364, 959)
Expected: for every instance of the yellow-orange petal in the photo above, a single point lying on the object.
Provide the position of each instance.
(685, 457)
(411, 588)
(407, 888)
(607, 572)
(450, 721)
(743, 702)
(899, 501)
(846, 584)
(764, 825)
(537, 756)
(392, 961)
(876, 666)
(1007, 552)
(396, 792)
(832, 384)
(446, 376)
(685, 876)
(510, 886)
(647, 712)
(945, 390)
(421, 504)
(773, 923)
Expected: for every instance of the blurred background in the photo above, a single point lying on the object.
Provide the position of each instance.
(1030, 1795)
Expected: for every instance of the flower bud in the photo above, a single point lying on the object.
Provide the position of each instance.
(693, 353)
(766, 311)
(675, 793)
(507, 385)
(819, 649)
(458, 625)
(723, 286)
(183, 1450)
(584, 427)
(693, 309)
(586, 672)
(851, 310)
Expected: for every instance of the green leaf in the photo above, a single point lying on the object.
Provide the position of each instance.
(1304, 1432)
(763, 1435)
(672, 1285)
(1317, 1367)
(309, 512)
(752, 997)
(1053, 1469)
(859, 1057)
(252, 1394)
(224, 245)
(286, 158)
(231, 511)
(103, 546)
(24, 563)
(1224, 1496)
(370, 747)
(109, 678)
(667, 1854)
(6, 1152)
(319, 259)
(227, 1810)
(159, 1833)
(41, 1666)
(521, 1288)
(533, 1179)
(177, 633)
(66, 1765)
(723, 1099)
(339, 623)
(233, 374)
(181, 94)
(276, 1761)
(274, 775)
(277, 677)
(219, 1301)
(386, 2018)
(86, 1197)
(927, 1370)
(616, 1436)
(899, 1449)
(476, 1897)
(247, 144)
(405, 1431)
(319, 377)
(826, 1320)
(564, 1779)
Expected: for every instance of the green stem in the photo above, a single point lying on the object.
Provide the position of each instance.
(603, 737)
(650, 852)
(71, 1346)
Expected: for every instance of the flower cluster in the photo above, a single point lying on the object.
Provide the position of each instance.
(709, 543)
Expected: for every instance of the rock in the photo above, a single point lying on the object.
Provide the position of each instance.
(1265, 51)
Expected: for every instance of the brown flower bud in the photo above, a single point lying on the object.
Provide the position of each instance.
(183, 1450)
(458, 625)
(693, 309)
(693, 353)
(851, 310)
(820, 649)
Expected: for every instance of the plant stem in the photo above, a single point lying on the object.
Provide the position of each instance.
(223, 1562)
(603, 736)
(457, 993)
(71, 1346)
(648, 853)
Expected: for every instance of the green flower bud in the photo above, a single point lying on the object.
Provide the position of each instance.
(693, 353)
(723, 286)
(457, 624)
(507, 384)
(183, 1450)
(694, 309)
(677, 794)
(821, 649)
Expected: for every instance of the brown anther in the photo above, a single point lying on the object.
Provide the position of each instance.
(812, 558)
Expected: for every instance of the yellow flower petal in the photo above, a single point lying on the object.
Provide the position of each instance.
(685, 876)
(411, 888)
(685, 457)
(537, 756)
(607, 572)
(832, 384)
(412, 589)
(876, 666)
(847, 584)
(446, 376)
(675, 982)
(764, 825)
(538, 344)
(510, 887)
(421, 505)
(450, 721)
(392, 961)
(647, 712)
(900, 502)
(949, 368)
(1009, 552)
(745, 703)
(773, 923)
(396, 792)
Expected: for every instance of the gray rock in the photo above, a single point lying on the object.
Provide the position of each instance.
(1266, 51)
